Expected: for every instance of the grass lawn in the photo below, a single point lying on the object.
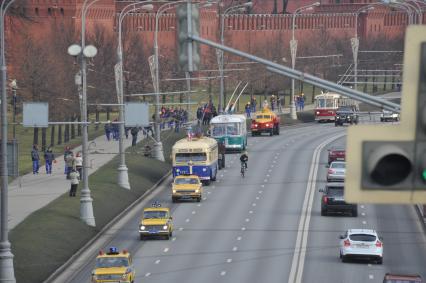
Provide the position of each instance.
(51, 235)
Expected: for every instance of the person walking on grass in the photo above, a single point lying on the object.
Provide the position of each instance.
(49, 157)
(35, 159)
(75, 179)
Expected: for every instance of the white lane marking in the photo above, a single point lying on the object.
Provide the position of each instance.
(199, 204)
(251, 211)
(193, 212)
(362, 206)
(181, 229)
(370, 265)
(371, 276)
(157, 261)
(213, 187)
(221, 175)
(243, 228)
(204, 198)
(274, 161)
(209, 193)
(262, 186)
(247, 219)
(260, 192)
(257, 198)
(254, 204)
(229, 260)
(272, 166)
(363, 213)
(147, 274)
(239, 238)
(223, 273)
(187, 220)
(266, 180)
(173, 239)
(267, 175)
(234, 249)
(166, 250)
(225, 170)
(364, 222)
(270, 170)
(299, 254)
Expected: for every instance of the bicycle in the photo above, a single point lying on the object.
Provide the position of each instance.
(243, 169)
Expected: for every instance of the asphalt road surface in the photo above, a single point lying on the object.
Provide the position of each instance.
(267, 226)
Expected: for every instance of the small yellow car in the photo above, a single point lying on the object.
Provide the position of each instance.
(187, 187)
(113, 266)
(156, 222)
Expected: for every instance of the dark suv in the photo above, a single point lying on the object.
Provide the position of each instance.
(333, 200)
(346, 114)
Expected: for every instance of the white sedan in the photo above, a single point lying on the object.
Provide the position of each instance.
(361, 244)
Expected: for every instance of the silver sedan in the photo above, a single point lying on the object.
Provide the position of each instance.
(336, 172)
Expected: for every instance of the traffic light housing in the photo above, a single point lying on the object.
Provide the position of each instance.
(188, 24)
(387, 163)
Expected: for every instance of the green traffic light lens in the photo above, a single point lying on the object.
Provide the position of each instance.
(424, 175)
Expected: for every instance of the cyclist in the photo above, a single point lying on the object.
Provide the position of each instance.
(244, 159)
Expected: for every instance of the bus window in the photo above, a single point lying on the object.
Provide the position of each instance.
(321, 103)
(187, 157)
(218, 130)
(329, 103)
(232, 129)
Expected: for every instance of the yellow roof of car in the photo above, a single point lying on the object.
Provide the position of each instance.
(157, 209)
(120, 254)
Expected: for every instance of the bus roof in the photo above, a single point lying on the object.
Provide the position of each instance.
(236, 118)
(328, 95)
(203, 143)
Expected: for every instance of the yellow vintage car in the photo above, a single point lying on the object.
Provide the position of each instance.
(113, 266)
(187, 187)
(156, 222)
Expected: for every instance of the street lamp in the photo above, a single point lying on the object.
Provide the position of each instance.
(14, 86)
(7, 273)
(355, 43)
(220, 53)
(123, 177)
(293, 50)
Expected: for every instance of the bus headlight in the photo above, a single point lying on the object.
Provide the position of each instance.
(318, 112)
(197, 191)
(204, 169)
(142, 227)
(165, 227)
(174, 191)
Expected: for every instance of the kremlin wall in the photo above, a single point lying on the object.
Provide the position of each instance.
(248, 32)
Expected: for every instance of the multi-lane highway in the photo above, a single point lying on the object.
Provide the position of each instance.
(267, 226)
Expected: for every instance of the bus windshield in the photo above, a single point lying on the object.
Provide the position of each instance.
(187, 157)
(325, 103)
(230, 129)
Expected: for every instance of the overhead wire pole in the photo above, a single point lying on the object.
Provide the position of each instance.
(7, 273)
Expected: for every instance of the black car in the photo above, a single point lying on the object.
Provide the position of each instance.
(346, 114)
(333, 200)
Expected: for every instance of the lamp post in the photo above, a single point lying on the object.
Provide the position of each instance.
(7, 273)
(14, 86)
(293, 50)
(123, 177)
(220, 53)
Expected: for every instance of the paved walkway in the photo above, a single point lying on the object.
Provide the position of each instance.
(31, 192)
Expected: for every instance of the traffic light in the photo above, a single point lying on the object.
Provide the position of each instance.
(387, 163)
(188, 50)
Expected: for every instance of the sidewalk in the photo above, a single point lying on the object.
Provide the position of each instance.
(29, 193)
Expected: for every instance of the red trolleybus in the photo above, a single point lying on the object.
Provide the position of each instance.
(326, 105)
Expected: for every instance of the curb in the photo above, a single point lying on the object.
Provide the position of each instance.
(422, 216)
(76, 255)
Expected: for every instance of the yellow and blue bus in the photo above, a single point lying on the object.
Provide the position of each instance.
(231, 130)
(196, 156)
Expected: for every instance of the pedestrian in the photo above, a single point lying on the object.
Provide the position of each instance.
(248, 109)
(35, 159)
(115, 130)
(49, 157)
(78, 162)
(69, 160)
(126, 131)
(134, 132)
(302, 101)
(75, 179)
(108, 129)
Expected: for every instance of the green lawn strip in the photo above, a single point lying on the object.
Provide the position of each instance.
(50, 236)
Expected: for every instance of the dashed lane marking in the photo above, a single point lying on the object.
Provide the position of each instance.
(363, 213)
(262, 186)
(239, 238)
(157, 261)
(254, 204)
(181, 229)
(247, 219)
(260, 192)
(229, 260)
(364, 222)
(166, 250)
(223, 273)
(199, 204)
(147, 274)
(266, 180)
(193, 212)
(243, 228)
(257, 198)
(234, 249)
(362, 206)
(173, 239)
(371, 276)
(251, 211)
(204, 198)
(187, 220)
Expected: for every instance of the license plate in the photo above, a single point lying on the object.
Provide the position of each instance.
(153, 232)
(362, 246)
(340, 159)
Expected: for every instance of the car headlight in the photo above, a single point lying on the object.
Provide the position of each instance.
(142, 227)
(255, 125)
(174, 191)
(318, 112)
(267, 125)
(165, 227)
(197, 191)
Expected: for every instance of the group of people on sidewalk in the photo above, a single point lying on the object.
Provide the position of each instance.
(205, 113)
(73, 165)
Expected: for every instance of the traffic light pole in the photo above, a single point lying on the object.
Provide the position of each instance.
(295, 74)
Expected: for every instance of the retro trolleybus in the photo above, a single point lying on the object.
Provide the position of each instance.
(230, 129)
(326, 105)
(196, 156)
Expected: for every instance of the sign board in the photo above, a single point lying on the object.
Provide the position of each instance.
(12, 158)
(136, 114)
(35, 114)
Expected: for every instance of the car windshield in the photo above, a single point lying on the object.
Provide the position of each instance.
(344, 109)
(401, 281)
(263, 117)
(338, 165)
(154, 214)
(362, 237)
(335, 191)
(105, 262)
(186, 157)
(185, 181)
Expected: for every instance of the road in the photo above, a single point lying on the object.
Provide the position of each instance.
(262, 229)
